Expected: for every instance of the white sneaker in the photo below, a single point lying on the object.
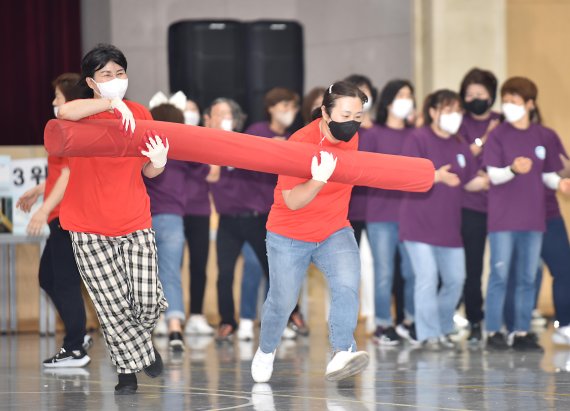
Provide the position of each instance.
(161, 328)
(345, 364)
(561, 335)
(288, 334)
(537, 319)
(460, 321)
(262, 366)
(262, 397)
(245, 330)
(87, 342)
(197, 325)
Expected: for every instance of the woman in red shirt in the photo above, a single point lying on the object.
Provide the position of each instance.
(58, 274)
(107, 211)
(308, 223)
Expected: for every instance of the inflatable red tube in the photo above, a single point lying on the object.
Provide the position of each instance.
(102, 138)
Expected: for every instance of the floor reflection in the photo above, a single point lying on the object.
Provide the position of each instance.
(210, 376)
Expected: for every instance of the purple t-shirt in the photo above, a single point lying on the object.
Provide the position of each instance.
(554, 145)
(435, 217)
(197, 190)
(167, 190)
(237, 192)
(265, 182)
(519, 205)
(357, 206)
(384, 205)
(470, 130)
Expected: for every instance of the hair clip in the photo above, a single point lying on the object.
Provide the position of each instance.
(330, 89)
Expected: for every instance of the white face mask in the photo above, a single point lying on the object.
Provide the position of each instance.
(55, 110)
(368, 105)
(286, 118)
(227, 124)
(402, 107)
(450, 122)
(191, 118)
(513, 112)
(115, 88)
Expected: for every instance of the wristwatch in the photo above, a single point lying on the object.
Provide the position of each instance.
(479, 142)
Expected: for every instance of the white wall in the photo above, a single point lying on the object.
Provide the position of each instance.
(453, 36)
(371, 37)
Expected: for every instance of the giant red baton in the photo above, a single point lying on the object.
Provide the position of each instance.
(101, 138)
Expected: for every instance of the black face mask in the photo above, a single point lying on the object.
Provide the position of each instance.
(477, 106)
(344, 131)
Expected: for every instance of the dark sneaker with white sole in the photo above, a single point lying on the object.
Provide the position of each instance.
(75, 358)
(176, 343)
(386, 336)
(496, 342)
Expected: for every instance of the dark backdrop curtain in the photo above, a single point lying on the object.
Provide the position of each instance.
(39, 40)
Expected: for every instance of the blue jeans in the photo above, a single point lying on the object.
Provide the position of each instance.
(384, 241)
(338, 258)
(521, 249)
(435, 303)
(252, 275)
(170, 241)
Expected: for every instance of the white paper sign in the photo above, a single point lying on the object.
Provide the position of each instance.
(26, 173)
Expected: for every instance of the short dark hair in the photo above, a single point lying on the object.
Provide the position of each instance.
(387, 96)
(67, 83)
(360, 80)
(334, 92)
(278, 94)
(167, 112)
(439, 98)
(96, 59)
(479, 76)
(308, 101)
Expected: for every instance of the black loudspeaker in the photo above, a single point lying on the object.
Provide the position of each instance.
(206, 60)
(274, 58)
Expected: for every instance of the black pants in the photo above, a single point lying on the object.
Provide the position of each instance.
(233, 232)
(197, 233)
(474, 233)
(60, 279)
(358, 226)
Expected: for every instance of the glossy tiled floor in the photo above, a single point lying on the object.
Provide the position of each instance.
(212, 377)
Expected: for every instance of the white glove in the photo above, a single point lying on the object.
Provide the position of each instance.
(124, 113)
(322, 172)
(157, 152)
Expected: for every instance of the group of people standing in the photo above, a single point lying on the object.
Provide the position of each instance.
(124, 232)
(497, 175)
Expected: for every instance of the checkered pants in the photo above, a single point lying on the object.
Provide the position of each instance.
(120, 274)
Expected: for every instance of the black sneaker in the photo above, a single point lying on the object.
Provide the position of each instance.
(127, 384)
(527, 342)
(408, 332)
(75, 358)
(475, 334)
(497, 342)
(386, 336)
(176, 342)
(156, 368)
